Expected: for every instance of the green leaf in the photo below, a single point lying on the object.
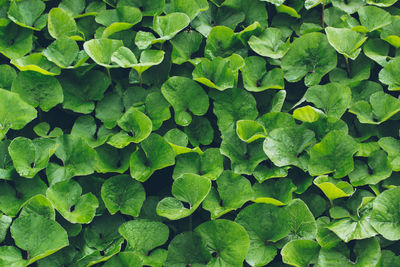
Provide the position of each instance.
(333, 98)
(62, 24)
(257, 79)
(31, 156)
(391, 32)
(200, 132)
(12, 198)
(124, 259)
(232, 105)
(101, 51)
(233, 191)
(309, 56)
(381, 3)
(214, 74)
(277, 192)
(264, 224)
(119, 19)
(169, 25)
(221, 42)
(77, 157)
(187, 248)
(384, 217)
(228, 239)
(5, 222)
(62, 52)
(136, 123)
(111, 159)
(27, 13)
(345, 41)
(189, 188)
(348, 6)
(155, 154)
(14, 112)
(38, 235)
(334, 154)
(379, 108)
(122, 193)
(249, 131)
(86, 128)
(189, 7)
(36, 62)
(209, 164)
(180, 92)
(392, 147)
(373, 18)
(283, 146)
(81, 92)
(148, 8)
(301, 221)
(20, 38)
(185, 44)
(144, 235)
(306, 114)
(367, 252)
(68, 201)
(333, 188)
(389, 75)
(11, 256)
(270, 43)
(244, 157)
(378, 169)
(300, 252)
(38, 89)
(377, 50)
(7, 76)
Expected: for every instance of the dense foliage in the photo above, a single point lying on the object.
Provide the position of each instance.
(194, 132)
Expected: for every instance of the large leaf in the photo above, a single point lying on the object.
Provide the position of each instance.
(228, 239)
(28, 13)
(169, 25)
(270, 43)
(214, 74)
(310, 56)
(101, 50)
(61, 24)
(300, 252)
(389, 75)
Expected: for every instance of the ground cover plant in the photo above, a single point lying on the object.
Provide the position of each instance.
(199, 133)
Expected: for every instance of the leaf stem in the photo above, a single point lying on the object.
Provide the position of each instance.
(347, 66)
(140, 79)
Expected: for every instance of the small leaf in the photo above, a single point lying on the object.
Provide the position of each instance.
(332, 188)
(36, 62)
(389, 75)
(249, 131)
(270, 43)
(306, 114)
(169, 25)
(214, 74)
(62, 52)
(101, 50)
